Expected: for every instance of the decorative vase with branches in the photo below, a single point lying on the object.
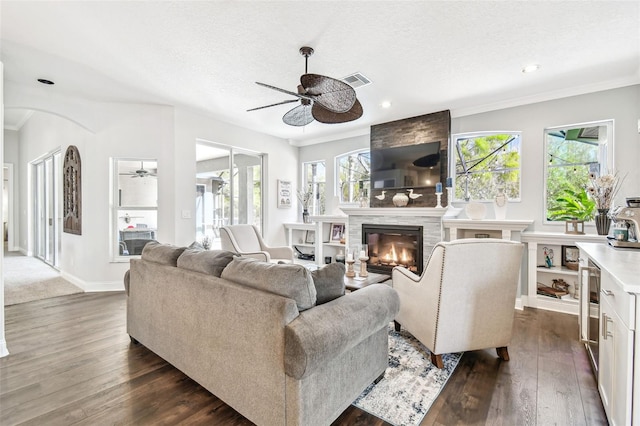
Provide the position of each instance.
(305, 197)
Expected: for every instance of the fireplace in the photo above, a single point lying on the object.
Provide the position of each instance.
(393, 245)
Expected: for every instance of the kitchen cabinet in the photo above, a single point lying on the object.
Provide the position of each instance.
(619, 320)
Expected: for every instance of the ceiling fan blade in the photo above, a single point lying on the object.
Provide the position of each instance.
(288, 92)
(323, 115)
(333, 94)
(279, 103)
(298, 116)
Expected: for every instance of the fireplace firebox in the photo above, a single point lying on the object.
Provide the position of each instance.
(393, 245)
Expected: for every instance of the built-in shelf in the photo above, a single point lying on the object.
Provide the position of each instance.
(536, 242)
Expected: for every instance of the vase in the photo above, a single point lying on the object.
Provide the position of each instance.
(500, 205)
(400, 199)
(603, 222)
(475, 210)
(305, 216)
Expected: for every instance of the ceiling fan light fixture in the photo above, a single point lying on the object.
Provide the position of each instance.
(324, 99)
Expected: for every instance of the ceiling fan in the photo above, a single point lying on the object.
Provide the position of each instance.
(141, 172)
(322, 98)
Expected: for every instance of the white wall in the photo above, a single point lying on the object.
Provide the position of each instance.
(622, 105)
(11, 156)
(3, 342)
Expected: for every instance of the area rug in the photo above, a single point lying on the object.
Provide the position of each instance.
(410, 384)
(27, 279)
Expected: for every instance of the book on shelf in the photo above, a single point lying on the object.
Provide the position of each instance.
(545, 290)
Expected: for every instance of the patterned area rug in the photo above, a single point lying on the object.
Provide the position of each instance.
(411, 383)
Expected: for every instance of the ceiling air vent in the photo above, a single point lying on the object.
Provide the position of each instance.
(356, 80)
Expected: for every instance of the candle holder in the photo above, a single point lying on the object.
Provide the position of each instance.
(363, 266)
(438, 200)
(350, 273)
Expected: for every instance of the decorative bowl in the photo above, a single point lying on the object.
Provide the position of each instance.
(475, 210)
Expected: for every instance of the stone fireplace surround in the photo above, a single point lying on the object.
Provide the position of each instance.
(429, 218)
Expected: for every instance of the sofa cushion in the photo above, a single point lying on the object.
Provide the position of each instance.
(165, 254)
(288, 280)
(210, 262)
(329, 282)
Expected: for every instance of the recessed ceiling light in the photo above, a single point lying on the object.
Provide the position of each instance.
(45, 81)
(386, 104)
(531, 68)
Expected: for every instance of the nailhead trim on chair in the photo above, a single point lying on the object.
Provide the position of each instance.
(444, 254)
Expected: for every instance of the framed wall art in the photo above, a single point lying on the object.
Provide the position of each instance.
(72, 191)
(284, 194)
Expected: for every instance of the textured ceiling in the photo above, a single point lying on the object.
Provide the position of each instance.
(421, 56)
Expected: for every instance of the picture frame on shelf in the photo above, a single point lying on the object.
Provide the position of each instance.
(570, 255)
(337, 229)
(310, 237)
(284, 194)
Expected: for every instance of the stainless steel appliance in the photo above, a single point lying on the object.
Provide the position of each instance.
(630, 216)
(589, 319)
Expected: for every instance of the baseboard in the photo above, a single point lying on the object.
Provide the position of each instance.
(3, 348)
(520, 304)
(95, 286)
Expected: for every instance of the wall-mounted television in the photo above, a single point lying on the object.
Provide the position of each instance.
(409, 166)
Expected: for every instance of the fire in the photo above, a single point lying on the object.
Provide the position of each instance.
(392, 258)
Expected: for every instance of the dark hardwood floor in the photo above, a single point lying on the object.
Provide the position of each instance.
(71, 362)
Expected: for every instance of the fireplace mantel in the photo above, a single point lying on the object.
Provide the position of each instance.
(395, 211)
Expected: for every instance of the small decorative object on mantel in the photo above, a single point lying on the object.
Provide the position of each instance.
(381, 196)
(400, 199)
(574, 226)
(475, 210)
(500, 204)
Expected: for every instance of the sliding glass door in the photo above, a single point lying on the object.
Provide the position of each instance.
(47, 208)
(228, 189)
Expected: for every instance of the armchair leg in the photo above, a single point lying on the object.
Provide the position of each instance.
(437, 360)
(503, 354)
(396, 325)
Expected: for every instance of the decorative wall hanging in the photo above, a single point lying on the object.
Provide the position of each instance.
(72, 188)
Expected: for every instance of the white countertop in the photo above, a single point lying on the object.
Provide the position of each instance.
(622, 263)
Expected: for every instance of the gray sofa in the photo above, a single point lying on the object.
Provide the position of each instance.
(253, 334)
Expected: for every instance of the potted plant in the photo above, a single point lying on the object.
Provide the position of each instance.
(574, 207)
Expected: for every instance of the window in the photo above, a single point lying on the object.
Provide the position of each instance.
(135, 205)
(314, 178)
(228, 190)
(486, 163)
(571, 154)
(353, 172)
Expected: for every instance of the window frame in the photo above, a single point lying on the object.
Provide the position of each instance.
(606, 165)
(453, 155)
(318, 201)
(366, 183)
(114, 232)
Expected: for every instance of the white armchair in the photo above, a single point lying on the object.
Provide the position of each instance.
(246, 241)
(465, 298)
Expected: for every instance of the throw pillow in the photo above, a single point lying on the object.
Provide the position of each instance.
(165, 254)
(329, 282)
(288, 280)
(196, 246)
(210, 262)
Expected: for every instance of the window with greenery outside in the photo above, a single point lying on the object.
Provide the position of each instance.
(353, 171)
(314, 182)
(486, 164)
(571, 159)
